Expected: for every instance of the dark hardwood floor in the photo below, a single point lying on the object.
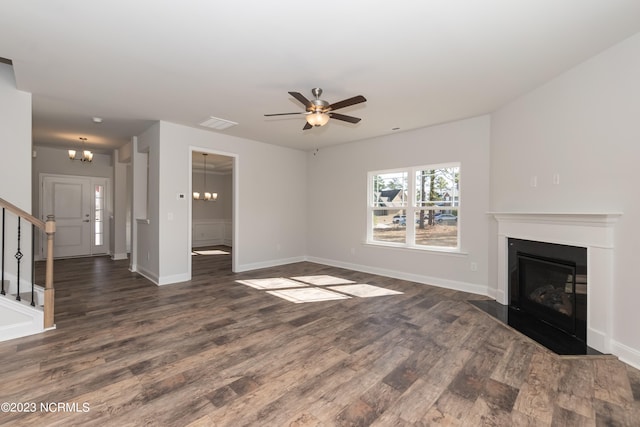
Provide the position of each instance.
(213, 352)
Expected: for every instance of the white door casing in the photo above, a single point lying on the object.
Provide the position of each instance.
(79, 206)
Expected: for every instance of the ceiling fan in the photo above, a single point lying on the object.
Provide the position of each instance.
(318, 111)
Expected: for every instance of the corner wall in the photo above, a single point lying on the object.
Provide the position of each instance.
(270, 201)
(578, 137)
(15, 161)
(15, 139)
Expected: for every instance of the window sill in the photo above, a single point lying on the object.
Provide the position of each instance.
(431, 249)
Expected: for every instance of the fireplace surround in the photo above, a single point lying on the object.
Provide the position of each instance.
(592, 231)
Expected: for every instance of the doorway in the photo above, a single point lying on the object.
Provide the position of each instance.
(211, 216)
(79, 205)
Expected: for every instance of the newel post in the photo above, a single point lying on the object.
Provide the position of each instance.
(49, 292)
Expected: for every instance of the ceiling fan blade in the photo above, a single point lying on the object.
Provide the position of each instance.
(300, 97)
(347, 102)
(344, 118)
(284, 114)
(307, 126)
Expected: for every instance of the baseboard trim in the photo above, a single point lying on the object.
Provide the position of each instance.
(426, 280)
(625, 353)
(175, 278)
(146, 274)
(163, 280)
(266, 264)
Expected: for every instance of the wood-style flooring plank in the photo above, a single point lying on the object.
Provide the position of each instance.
(215, 352)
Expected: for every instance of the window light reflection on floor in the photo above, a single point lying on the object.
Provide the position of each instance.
(210, 252)
(300, 289)
(271, 283)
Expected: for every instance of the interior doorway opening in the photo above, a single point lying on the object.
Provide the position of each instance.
(212, 212)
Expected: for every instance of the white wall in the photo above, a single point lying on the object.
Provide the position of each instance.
(56, 161)
(145, 203)
(584, 126)
(15, 162)
(270, 196)
(212, 222)
(217, 183)
(337, 194)
(120, 202)
(15, 141)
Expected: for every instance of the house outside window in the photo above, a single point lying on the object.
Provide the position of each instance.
(415, 207)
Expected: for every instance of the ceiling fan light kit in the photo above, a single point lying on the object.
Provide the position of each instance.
(318, 111)
(318, 118)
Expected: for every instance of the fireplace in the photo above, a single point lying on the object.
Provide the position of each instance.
(591, 230)
(548, 282)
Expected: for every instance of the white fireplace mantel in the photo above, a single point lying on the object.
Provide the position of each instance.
(593, 231)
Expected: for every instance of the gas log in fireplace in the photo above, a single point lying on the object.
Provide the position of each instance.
(548, 283)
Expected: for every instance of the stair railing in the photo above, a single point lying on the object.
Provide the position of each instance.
(49, 228)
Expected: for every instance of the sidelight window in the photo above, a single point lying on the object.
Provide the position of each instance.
(99, 215)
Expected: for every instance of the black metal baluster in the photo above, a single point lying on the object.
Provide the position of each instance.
(18, 258)
(3, 292)
(33, 264)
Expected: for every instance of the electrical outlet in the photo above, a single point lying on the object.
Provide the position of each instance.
(474, 266)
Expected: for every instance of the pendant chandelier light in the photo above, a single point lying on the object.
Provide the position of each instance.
(206, 196)
(87, 155)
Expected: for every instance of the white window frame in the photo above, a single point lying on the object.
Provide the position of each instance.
(411, 207)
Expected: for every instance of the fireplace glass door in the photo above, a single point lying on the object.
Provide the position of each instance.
(548, 290)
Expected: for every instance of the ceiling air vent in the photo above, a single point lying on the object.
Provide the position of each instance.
(218, 124)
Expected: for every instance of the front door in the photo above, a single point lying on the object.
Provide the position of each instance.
(77, 204)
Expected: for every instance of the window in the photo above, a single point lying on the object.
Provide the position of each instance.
(99, 215)
(415, 207)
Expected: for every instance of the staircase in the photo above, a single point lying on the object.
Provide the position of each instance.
(25, 308)
(19, 318)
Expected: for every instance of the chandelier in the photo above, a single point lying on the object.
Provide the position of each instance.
(206, 196)
(87, 155)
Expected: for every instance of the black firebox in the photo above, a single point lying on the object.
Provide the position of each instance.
(548, 283)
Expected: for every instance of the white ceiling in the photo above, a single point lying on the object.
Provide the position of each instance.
(216, 164)
(418, 63)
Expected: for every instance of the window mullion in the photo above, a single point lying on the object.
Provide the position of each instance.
(411, 208)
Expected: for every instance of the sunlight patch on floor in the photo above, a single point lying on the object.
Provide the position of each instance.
(210, 252)
(272, 283)
(308, 295)
(364, 291)
(307, 289)
(323, 280)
